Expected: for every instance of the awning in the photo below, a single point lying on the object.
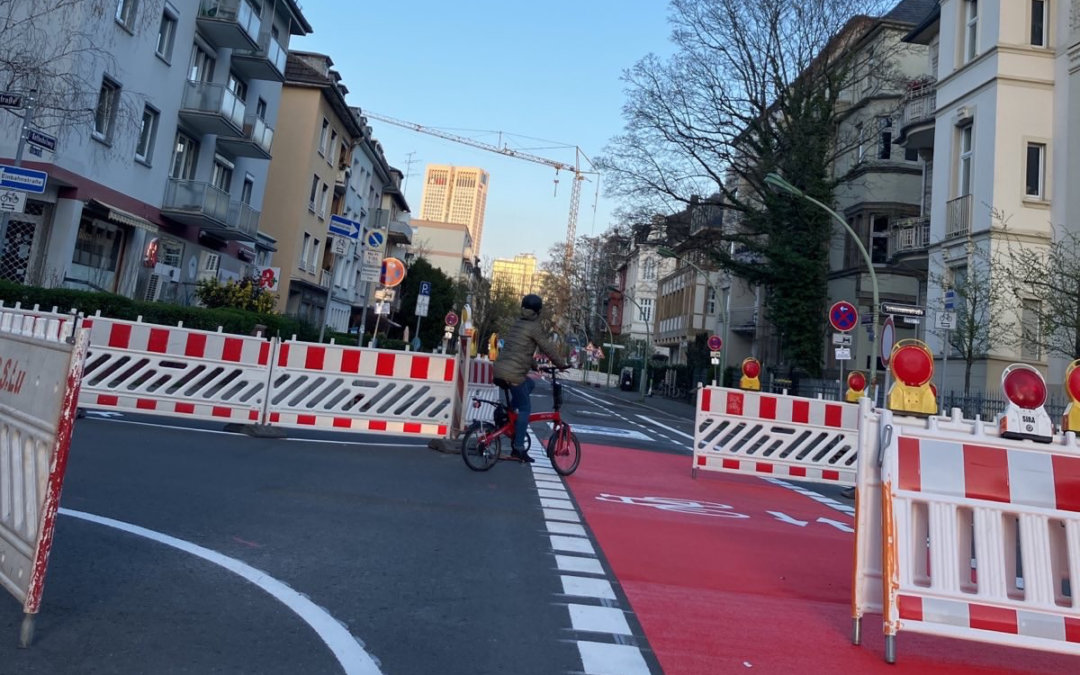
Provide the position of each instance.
(126, 217)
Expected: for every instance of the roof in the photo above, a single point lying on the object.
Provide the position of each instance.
(300, 72)
(926, 29)
(911, 11)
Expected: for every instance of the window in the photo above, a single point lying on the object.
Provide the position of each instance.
(879, 239)
(871, 66)
(305, 251)
(125, 13)
(323, 136)
(1035, 171)
(648, 272)
(144, 149)
(710, 306)
(646, 309)
(963, 174)
(911, 155)
(221, 177)
(105, 113)
(238, 87)
(884, 138)
(185, 156)
(971, 29)
(1030, 312)
(322, 200)
(248, 189)
(860, 149)
(202, 65)
(312, 266)
(96, 256)
(166, 35)
(1038, 23)
(332, 157)
(260, 109)
(314, 193)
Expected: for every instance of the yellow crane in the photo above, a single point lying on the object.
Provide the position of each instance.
(575, 168)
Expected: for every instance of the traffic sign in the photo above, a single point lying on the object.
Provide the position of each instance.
(41, 139)
(393, 272)
(425, 288)
(423, 302)
(451, 319)
(841, 339)
(946, 320)
(21, 178)
(374, 239)
(888, 337)
(901, 309)
(10, 100)
(843, 316)
(344, 227)
(950, 299)
(715, 343)
(843, 353)
(341, 245)
(12, 201)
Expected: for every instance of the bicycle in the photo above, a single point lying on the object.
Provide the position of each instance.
(481, 446)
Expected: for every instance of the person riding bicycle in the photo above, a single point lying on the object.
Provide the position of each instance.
(515, 361)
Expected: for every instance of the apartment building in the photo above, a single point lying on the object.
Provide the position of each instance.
(447, 246)
(632, 303)
(516, 275)
(163, 117)
(456, 194)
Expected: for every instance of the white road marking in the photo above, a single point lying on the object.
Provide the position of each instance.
(594, 619)
(573, 563)
(570, 529)
(553, 494)
(601, 658)
(843, 527)
(785, 518)
(611, 431)
(587, 587)
(666, 427)
(571, 544)
(350, 654)
(556, 503)
(562, 515)
(817, 497)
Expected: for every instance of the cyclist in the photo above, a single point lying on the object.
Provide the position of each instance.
(515, 361)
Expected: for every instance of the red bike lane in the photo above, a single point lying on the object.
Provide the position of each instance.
(731, 573)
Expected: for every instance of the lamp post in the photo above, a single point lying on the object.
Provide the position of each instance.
(648, 341)
(666, 252)
(774, 180)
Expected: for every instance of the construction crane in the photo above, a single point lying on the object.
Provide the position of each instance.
(579, 174)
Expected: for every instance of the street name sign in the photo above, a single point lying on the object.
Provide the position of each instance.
(902, 310)
(41, 139)
(10, 100)
(19, 178)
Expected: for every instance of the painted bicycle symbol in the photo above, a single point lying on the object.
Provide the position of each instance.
(9, 197)
(691, 506)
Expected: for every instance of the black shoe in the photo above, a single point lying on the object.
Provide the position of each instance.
(523, 455)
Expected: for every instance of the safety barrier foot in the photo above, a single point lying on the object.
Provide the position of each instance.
(856, 631)
(26, 631)
(890, 649)
(256, 430)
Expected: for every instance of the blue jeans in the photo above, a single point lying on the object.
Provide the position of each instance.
(519, 401)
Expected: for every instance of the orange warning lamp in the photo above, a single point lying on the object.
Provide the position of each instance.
(493, 346)
(751, 371)
(1070, 421)
(912, 366)
(856, 386)
(1024, 416)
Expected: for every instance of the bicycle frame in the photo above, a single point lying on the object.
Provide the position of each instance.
(507, 429)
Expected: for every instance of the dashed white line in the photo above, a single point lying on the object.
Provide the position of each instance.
(571, 544)
(571, 529)
(596, 619)
(600, 658)
(588, 587)
(573, 563)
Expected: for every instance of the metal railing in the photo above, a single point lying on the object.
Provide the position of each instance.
(958, 217)
(920, 102)
(257, 130)
(209, 97)
(269, 49)
(238, 11)
(910, 234)
(243, 219)
(196, 197)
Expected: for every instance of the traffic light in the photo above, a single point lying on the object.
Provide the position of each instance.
(1071, 419)
(751, 371)
(856, 387)
(912, 366)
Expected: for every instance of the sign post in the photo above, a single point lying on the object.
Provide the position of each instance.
(715, 343)
(342, 230)
(950, 308)
(843, 317)
(423, 302)
(15, 100)
(888, 338)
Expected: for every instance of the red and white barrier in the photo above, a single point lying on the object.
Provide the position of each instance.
(175, 371)
(981, 534)
(775, 435)
(41, 360)
(482, 386)
(342, 388)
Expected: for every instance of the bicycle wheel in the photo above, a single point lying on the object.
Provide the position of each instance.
(479, 455)
(564, 451)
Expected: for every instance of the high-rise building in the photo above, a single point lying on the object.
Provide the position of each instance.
(517, 275)
(455, 194)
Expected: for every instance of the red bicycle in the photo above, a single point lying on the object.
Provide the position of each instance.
(481, 446)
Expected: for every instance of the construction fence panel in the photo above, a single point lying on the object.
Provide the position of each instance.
(981, 535)
(343, 388)
(775, 435)
(41, 359)
(481, 386)
(175, 371)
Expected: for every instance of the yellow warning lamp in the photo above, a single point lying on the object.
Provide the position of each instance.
(1024, 416)
(1070, 421)
(856, 387)
(493, 346)
(751, 372)
(912, 367)
(471, 334)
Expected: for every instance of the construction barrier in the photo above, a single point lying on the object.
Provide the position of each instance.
(775, 435)
(42, 356)
(980, 534)
(342, 388)
(175, 371)
(481, 386)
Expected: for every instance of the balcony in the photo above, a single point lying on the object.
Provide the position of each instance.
(909, 235)
(265, 62)
(958, 217)
(229, 23)
(202, 205)
(341, 181)
(917, 116)
(242, 223)
(254, 142)
(212, 109)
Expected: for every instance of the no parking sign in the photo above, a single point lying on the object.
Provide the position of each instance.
(843, 316)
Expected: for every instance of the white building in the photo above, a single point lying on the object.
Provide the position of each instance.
(158, 173)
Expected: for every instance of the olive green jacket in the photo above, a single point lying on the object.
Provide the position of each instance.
(524, 339)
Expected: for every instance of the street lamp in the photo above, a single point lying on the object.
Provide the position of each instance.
(648, 340)
(666, 252)
(774, 180)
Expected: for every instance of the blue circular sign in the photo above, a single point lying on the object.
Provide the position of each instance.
(374, 239)
(843, 316)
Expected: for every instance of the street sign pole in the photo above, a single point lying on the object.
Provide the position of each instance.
(329, 295)
(28, 116)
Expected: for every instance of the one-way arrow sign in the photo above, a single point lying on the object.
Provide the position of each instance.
(344, 227)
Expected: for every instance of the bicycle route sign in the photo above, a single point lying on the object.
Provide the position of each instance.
(843, 316)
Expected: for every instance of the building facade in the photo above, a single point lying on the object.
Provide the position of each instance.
(157, 181)
(516, 275)
(447, 246)
(454, 194)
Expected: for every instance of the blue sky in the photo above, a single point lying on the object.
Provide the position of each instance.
(546, 70)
